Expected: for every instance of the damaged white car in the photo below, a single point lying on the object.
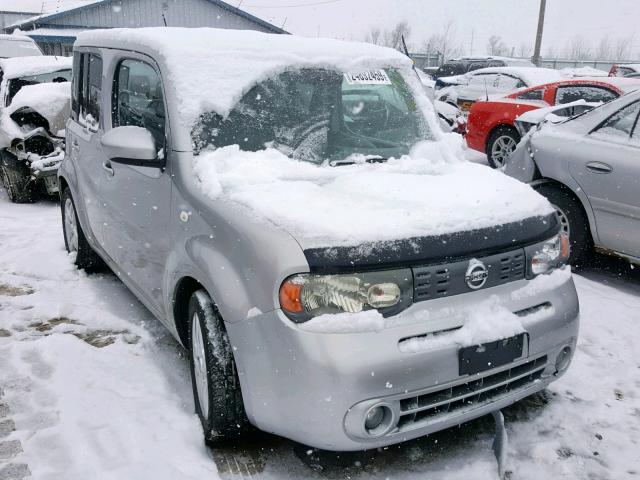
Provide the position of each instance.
(35, 103)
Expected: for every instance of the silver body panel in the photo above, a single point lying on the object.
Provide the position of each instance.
(603, 171)
(154, 227)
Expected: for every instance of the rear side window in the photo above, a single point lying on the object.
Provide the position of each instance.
(537, 94)
(621, 124)
(138, 99)
(451, 69)
(86, 90)
(590, 93)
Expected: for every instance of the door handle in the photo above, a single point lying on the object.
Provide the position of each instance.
(106, 166)
(599, 167)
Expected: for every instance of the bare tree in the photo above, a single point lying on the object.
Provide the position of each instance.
(604, 49)
(393, 38)
(495, 46)
(374, 36)
(525, 50)
(445, 43)
(579, 49)
(622, 48)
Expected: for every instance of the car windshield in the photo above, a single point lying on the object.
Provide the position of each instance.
(16, 84)
(18, 48)
(316, 115)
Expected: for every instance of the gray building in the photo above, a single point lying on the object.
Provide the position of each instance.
(56, 32)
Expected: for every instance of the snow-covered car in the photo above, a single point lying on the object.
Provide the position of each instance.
(553, 113)
(462, 65)
(588, 168)
(624, 70)
(451, 118)
(340, 275)
(35, 95)
(463, 91)
(18, 46)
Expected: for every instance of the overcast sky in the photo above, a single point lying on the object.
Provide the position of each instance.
(514, 20)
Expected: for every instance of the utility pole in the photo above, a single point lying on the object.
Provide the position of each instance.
(536, 52)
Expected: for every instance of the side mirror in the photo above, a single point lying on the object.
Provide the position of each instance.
(131, 146)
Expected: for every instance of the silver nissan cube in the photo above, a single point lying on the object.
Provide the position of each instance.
(290, 210)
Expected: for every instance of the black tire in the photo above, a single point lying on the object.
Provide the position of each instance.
(86, 257)
(573, 220)
(506, 134)
(16, 179)
(225, 417)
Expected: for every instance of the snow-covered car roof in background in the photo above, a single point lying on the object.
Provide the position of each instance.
(579, 72)
(623, 83)
(532, 76)
(507, 60)
(210, 69)
(632, 66)
(23, 66)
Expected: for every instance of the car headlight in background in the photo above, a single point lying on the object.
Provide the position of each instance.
(547, 256)
(305, 296)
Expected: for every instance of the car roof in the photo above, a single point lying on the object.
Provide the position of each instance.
(199, 61)
(622, 84)
(15, 38)
(22, 66)
(532, 76)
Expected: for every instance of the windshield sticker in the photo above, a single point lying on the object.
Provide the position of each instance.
(371, 77)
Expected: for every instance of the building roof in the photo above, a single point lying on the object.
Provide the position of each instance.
(88, 4)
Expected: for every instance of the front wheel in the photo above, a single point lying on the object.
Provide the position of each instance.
(502, 143)
(74, 239)
(572, 219)
(216, 388)
(16, 179)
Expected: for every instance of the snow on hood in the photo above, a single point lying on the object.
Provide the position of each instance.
(22, 66)
(432, 191)
(210, 69)
(51, 100)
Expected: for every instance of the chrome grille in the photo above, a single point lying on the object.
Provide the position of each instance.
(470, 394)
(444, 280)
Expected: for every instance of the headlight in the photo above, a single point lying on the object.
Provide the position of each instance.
(305, 296)
(546, 256)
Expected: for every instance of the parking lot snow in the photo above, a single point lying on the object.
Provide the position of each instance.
(96, 388)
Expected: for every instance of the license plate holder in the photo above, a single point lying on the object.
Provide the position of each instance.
(478, 358)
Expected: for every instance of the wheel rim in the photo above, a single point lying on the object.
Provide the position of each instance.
(502, 149)
(70, 226)
(564, 220)
(200, 365)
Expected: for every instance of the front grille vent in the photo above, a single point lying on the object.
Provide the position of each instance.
(444, 280)
(469, 395)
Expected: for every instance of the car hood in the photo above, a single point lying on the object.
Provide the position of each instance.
(430, 193)
(52, 101)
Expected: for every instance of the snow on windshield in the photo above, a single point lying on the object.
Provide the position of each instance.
(210, 69)
(432, 191)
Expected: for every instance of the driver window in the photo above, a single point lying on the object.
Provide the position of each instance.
(621, 124)
(138, 99)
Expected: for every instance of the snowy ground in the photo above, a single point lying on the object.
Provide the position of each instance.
(92, 387)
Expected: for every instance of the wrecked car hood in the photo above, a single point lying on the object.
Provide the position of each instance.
(430, 193)
(51, 100)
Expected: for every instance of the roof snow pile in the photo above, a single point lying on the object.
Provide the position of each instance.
(432, 191)
(24, 66)
(210, 69)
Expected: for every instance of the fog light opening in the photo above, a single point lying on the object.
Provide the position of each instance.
(377, 420)
(563, 359)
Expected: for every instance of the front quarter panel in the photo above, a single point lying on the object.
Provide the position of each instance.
(240, 260)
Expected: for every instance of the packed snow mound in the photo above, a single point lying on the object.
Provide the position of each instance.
(23, 66)
(51, 100)
(432, 191)
(210, 69)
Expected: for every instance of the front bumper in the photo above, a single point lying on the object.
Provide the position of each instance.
(316, 388)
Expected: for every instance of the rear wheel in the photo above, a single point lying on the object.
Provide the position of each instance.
(502, 142)
(74, 239)
(16, 179)
(216, 388)
(573, 221)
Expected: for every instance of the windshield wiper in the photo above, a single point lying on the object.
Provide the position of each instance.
(340, 163)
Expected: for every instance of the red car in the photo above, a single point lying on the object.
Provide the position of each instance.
(490, 126)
